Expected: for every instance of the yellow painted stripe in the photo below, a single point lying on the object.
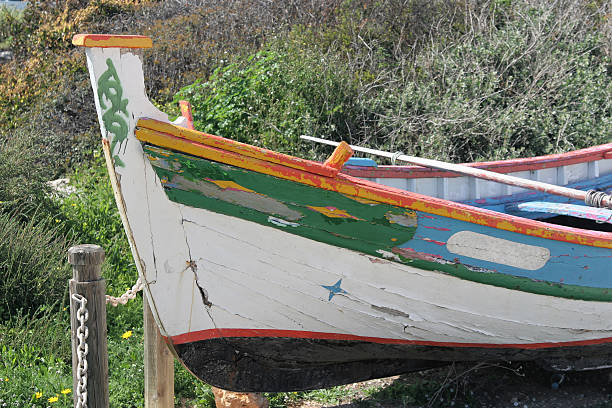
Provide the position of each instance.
(112, 41)
(240, 148)
(362, 190)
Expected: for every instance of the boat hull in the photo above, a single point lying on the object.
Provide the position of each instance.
(270, 273)
(253, 364)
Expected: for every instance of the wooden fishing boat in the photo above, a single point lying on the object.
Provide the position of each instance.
(267, 272)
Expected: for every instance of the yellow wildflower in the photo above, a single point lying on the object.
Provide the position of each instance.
(127, 334)
(66, 391)
(53, 399)
(38, 394)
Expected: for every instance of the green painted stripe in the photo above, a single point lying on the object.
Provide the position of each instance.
(284, 205)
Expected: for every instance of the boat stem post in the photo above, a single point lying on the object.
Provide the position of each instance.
(87, 283)
(158, 364)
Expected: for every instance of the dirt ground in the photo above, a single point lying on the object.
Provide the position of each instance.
(481, 386)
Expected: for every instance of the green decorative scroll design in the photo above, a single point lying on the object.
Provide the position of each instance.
(109, 89)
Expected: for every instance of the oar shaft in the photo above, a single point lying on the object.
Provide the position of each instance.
(475, 172)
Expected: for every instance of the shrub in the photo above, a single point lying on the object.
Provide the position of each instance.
(273, 97)
(33, 267)
(22, 331)
(533, 80)
(489, 81)
(23, 178)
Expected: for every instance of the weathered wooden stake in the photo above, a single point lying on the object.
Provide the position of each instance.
(86, 261)
(158, 364)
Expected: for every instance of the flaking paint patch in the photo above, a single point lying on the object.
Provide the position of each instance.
(390, 311)
(282, 223)
(252, 200)
(333, 212)
(498, 250)
(407, 219)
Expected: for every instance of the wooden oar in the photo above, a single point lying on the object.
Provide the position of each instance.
(592, 198)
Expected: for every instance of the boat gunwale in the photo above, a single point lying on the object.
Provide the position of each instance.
(346, 184)
(586, 155)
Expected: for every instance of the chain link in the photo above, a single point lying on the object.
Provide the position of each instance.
(82, 333)
(82, 350)
(128, 295)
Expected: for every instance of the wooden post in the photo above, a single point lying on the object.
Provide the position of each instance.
(158, 364)
(86, 261)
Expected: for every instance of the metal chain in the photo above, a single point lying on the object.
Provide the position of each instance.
(82, 350)
(82, 334)
(128, 295)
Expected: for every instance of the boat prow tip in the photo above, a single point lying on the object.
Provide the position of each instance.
(112, 41)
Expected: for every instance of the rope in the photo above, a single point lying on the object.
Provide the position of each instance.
(128, 295)
(82, 349)
(395, 156)
(596, 198)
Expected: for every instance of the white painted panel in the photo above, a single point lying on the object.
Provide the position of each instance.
(522, 174)
(605, 167)
(426, 186)
(393, 182)
(548, 175)
(490, 188)
(459, 189)
(576, 172)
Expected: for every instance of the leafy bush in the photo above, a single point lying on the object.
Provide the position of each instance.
(92, 214)
(33, 268)
(22, 173)
(534, 81)
(488, 81)
(273, 97)
(9, 19)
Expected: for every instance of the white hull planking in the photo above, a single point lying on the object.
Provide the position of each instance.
(260, 277)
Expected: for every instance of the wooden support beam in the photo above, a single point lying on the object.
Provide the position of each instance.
(158, 364)
(86, 261)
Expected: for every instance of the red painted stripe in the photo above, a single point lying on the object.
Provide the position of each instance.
(299, 334)
(501, 166)
(186, 113)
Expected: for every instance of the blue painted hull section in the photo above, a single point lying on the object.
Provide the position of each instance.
(568, 264)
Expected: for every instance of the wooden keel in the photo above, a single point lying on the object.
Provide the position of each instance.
(242, 364)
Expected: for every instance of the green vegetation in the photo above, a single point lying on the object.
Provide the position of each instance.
(452, 80)
(527, 79)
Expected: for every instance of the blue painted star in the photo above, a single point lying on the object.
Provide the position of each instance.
(335, 289)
